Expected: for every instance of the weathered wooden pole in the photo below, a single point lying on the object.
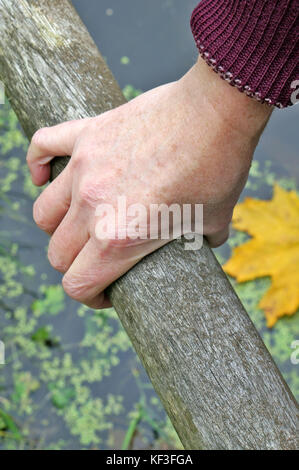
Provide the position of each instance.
(208, 364)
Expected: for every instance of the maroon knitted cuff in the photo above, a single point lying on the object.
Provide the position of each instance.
(253, 44)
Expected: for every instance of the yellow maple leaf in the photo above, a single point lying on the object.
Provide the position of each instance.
(272, 251)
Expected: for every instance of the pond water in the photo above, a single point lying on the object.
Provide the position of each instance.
(71, 378)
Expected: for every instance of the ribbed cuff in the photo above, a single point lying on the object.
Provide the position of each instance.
(252, 44)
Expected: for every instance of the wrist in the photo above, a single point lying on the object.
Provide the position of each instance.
(209, 92)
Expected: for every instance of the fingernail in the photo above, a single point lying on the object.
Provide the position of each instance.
(44, 160)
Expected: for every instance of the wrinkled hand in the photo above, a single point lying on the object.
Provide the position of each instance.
(190, 141)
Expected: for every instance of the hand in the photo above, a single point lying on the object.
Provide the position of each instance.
(190, 141)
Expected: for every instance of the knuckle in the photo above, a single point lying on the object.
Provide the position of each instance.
(38, 137)
(78, 155)
(73, 288)
(107, 246)
(88, 193)
(39, 215)
(111, 246)
(84, 192)
(56, 260)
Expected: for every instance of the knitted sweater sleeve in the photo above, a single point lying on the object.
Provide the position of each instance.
(253, 45)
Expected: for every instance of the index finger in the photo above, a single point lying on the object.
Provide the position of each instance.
(50, 142)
